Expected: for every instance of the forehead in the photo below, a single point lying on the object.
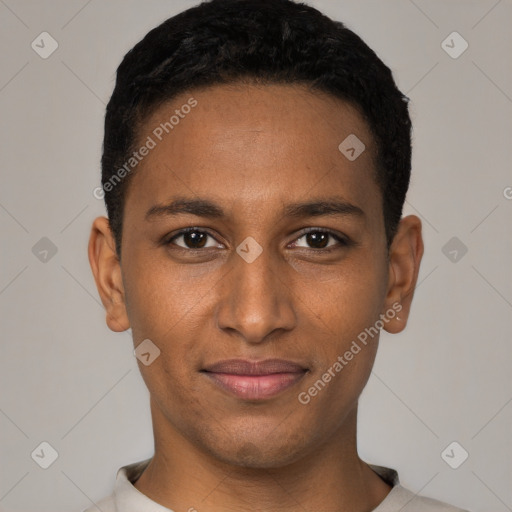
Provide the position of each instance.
(248, 144)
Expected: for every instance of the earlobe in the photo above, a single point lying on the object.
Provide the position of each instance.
(106, 269)
(405, 256)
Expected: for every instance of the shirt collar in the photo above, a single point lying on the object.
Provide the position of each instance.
(128, 498)
(390, 476)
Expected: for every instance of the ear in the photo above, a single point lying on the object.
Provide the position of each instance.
(106, 268)
(405, 256)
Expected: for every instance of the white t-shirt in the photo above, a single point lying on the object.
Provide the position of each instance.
(126, 498)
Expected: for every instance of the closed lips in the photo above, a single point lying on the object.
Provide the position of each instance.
(246, 367)
(254, 380)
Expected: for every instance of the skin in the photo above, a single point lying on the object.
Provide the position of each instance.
(252, 150)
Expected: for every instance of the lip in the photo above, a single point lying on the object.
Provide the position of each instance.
(255, 380)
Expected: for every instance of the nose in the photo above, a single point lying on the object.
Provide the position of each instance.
(255, 300)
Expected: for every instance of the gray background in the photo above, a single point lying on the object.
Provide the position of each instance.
(69, 381)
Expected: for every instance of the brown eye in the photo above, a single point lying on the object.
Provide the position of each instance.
(319, 239)
(193, 238)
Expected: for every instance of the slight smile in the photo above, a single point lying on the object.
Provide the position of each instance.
(255, 380)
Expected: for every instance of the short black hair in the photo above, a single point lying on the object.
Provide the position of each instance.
(262, 41)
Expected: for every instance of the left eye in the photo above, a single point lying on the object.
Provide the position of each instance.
(319, 239)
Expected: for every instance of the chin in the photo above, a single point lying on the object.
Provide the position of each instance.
(252, 454)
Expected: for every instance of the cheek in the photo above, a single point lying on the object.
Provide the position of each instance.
(346, 314)
(345, 357)
(171, 376)
(350, 300)
(165, 312)
(157, 300)
(331, 401)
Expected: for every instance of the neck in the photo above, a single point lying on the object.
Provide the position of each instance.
(331, 476)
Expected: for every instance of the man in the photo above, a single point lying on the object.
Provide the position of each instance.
(255, 163)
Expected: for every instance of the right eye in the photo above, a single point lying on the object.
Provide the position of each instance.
(193, 239)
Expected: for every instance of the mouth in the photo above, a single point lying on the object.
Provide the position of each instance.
(255, 380)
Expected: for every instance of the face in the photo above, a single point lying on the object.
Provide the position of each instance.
(249, 235)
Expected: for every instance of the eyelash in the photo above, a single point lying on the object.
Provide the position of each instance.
(342, 241)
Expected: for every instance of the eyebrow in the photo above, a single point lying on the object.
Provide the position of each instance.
(209, 209)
